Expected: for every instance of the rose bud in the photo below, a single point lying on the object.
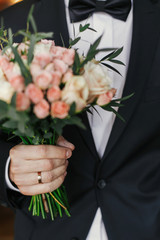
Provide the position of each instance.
(41, 109)
(106, 98)
(17, 82)
(60, 66)
(43, 80)
(34, 93)
(59, 109)
(54, 93)
(67, 76)
(42, 59)
(68, 56)
(22, 102)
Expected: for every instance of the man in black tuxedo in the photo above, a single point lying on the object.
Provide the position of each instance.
(125, 182)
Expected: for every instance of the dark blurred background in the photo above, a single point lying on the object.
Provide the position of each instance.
(6, 215)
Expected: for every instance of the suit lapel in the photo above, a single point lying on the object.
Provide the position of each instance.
(144, 42)
(51, 16)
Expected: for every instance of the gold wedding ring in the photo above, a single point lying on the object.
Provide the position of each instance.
(39, 177)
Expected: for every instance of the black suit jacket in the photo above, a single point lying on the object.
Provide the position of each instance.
(125, 183)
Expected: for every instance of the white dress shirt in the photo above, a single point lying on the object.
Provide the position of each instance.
(116, 34)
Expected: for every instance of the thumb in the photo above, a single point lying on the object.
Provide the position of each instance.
(62, 142)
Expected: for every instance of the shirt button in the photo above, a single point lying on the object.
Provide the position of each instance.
(101, 184)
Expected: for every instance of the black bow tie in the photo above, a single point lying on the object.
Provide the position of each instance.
(82, 9)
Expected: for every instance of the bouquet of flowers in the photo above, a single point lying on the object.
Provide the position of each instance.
(44, 87)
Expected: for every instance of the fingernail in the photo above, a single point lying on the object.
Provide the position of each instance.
(65, 174)
(68, 153)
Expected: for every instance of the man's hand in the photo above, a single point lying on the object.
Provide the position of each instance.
(51, 161)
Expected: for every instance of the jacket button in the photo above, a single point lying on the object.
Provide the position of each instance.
(101, 184)
(75, 238)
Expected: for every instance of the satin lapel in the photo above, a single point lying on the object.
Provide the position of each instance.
(144, 42)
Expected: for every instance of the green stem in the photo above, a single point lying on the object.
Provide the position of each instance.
(38, 206)
(31, 204)
(50, 206)
(30, 140)
(42, 207)
(23, 139)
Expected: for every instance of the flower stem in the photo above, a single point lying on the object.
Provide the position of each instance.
(57, 201)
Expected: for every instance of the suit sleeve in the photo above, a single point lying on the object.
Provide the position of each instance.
(8, 197)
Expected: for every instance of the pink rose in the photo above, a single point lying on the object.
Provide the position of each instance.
(23, 48)
(60, 66)
(54, 93)
(56, 78)
(56, 75)
(17, 82)
(46, 41)
(68, 56)
(35, 69)
(41, 109)
(22, 102)
(42, 59)
(34, 93)
(5, 64)
(57, 52)
(67, 76)
(43, 80)
(106, 98)
(59, 109)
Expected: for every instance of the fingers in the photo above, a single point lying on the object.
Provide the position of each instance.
(64, 143)
(40, 152)
(31, 166)
(42, 188)
(29, 179)
(51, 161)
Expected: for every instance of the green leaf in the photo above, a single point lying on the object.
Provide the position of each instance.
(110, 109)
(72, 109)
(77, 64)
(74, 42)
(112, 68)
(31, 49)
(125, 98)
(25, 72)
(42, 35)
(117, 62)
(13, 100)
(63, 44)
(33, 24)
(3, 110)
(116, 53)
(23, 33)
(31, 20)
(11, 124)
(10, 36)
(48, 135)
(92, 29)
(107, 56)
(84, 28)
(95, 44)
(76, 121)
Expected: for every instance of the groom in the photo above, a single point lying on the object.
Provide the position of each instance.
(114, 168)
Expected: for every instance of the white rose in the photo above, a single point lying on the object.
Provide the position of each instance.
(41, 48)
(6, 90)
(76, 90)
(97, 79)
